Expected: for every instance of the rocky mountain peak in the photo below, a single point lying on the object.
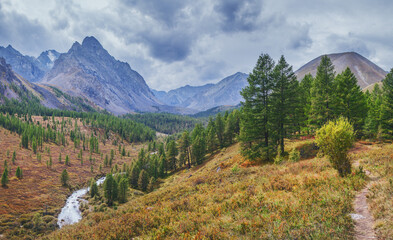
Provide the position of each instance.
(91, 42)
(88, 70)
(47, 59)
(12, 50)
(76, 46)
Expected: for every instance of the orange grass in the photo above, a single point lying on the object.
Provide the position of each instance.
(40, 186)
(222, 200)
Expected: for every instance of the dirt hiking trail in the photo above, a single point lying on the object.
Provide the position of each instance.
(363, 218)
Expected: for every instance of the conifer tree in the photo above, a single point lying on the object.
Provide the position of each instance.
(171, 155)
(211, 138)
(134, 177)
(283, 98)
(143, 180)
(64, 177)
(198, 144)
(123, 152)
(162, 167)
(305, 99)
(4, 177)
(106, 161)
(110, 189)
(322, 93)
(220, 127)
(373, 120)
(184, 148)
(229, 130)
(19, 173)
(255, 127)
(123, 190)
(150, 186)
(93, 188)
(25, 140)
(13, 157)
(350, 101)
(112, 154)
(50, 161)
(34, 145)
(387, 106)
(67, 160)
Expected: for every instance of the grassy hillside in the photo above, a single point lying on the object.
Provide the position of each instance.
(228, 198)
(379, 162)
(40, 189)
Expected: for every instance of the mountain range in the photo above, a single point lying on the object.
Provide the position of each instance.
(31, 68)
(201, 98)
(13, 86)
(87, 71)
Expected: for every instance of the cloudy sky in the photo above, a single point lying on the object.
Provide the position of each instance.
(179, 42)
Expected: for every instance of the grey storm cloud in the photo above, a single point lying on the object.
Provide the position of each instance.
(239, 15)
(16, 29)
(169, 47)
(164, 11)
(194, 42)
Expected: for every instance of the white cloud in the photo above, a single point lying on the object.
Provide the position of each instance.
(195, 42)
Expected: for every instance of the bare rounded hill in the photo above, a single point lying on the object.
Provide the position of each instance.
(365, 71)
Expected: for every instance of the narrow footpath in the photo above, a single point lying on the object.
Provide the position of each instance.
(363, 218)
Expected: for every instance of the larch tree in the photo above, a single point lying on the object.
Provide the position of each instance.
(350, 101)
(284, 99)
(184, 149)
(110, 189)
(93, 188)
(220, 127)
(305, 98)
(322, 93)
(172, 152)
(4, 177)
(256, 126)
(211, 137)
(373, 121)
(143, 180)
(387, 106)
(64, 177)
(198, 144)
(123, 190)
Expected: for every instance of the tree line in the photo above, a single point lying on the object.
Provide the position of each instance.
(276, 106)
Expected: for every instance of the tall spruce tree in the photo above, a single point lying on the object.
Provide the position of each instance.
(143, 180)
(93, 188)
(322, 93)
(373, 120)
(387, 106)
(211, 138)
(220, 127)
(229, 132)
(184, 149)
(64, 177)
(4, 177)
(110, 189)
(284, 99)
(123, 190)
(171, 155)
(19, 173)
(255, 127)
(305, 98)
(350, 101)
(198, 144)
